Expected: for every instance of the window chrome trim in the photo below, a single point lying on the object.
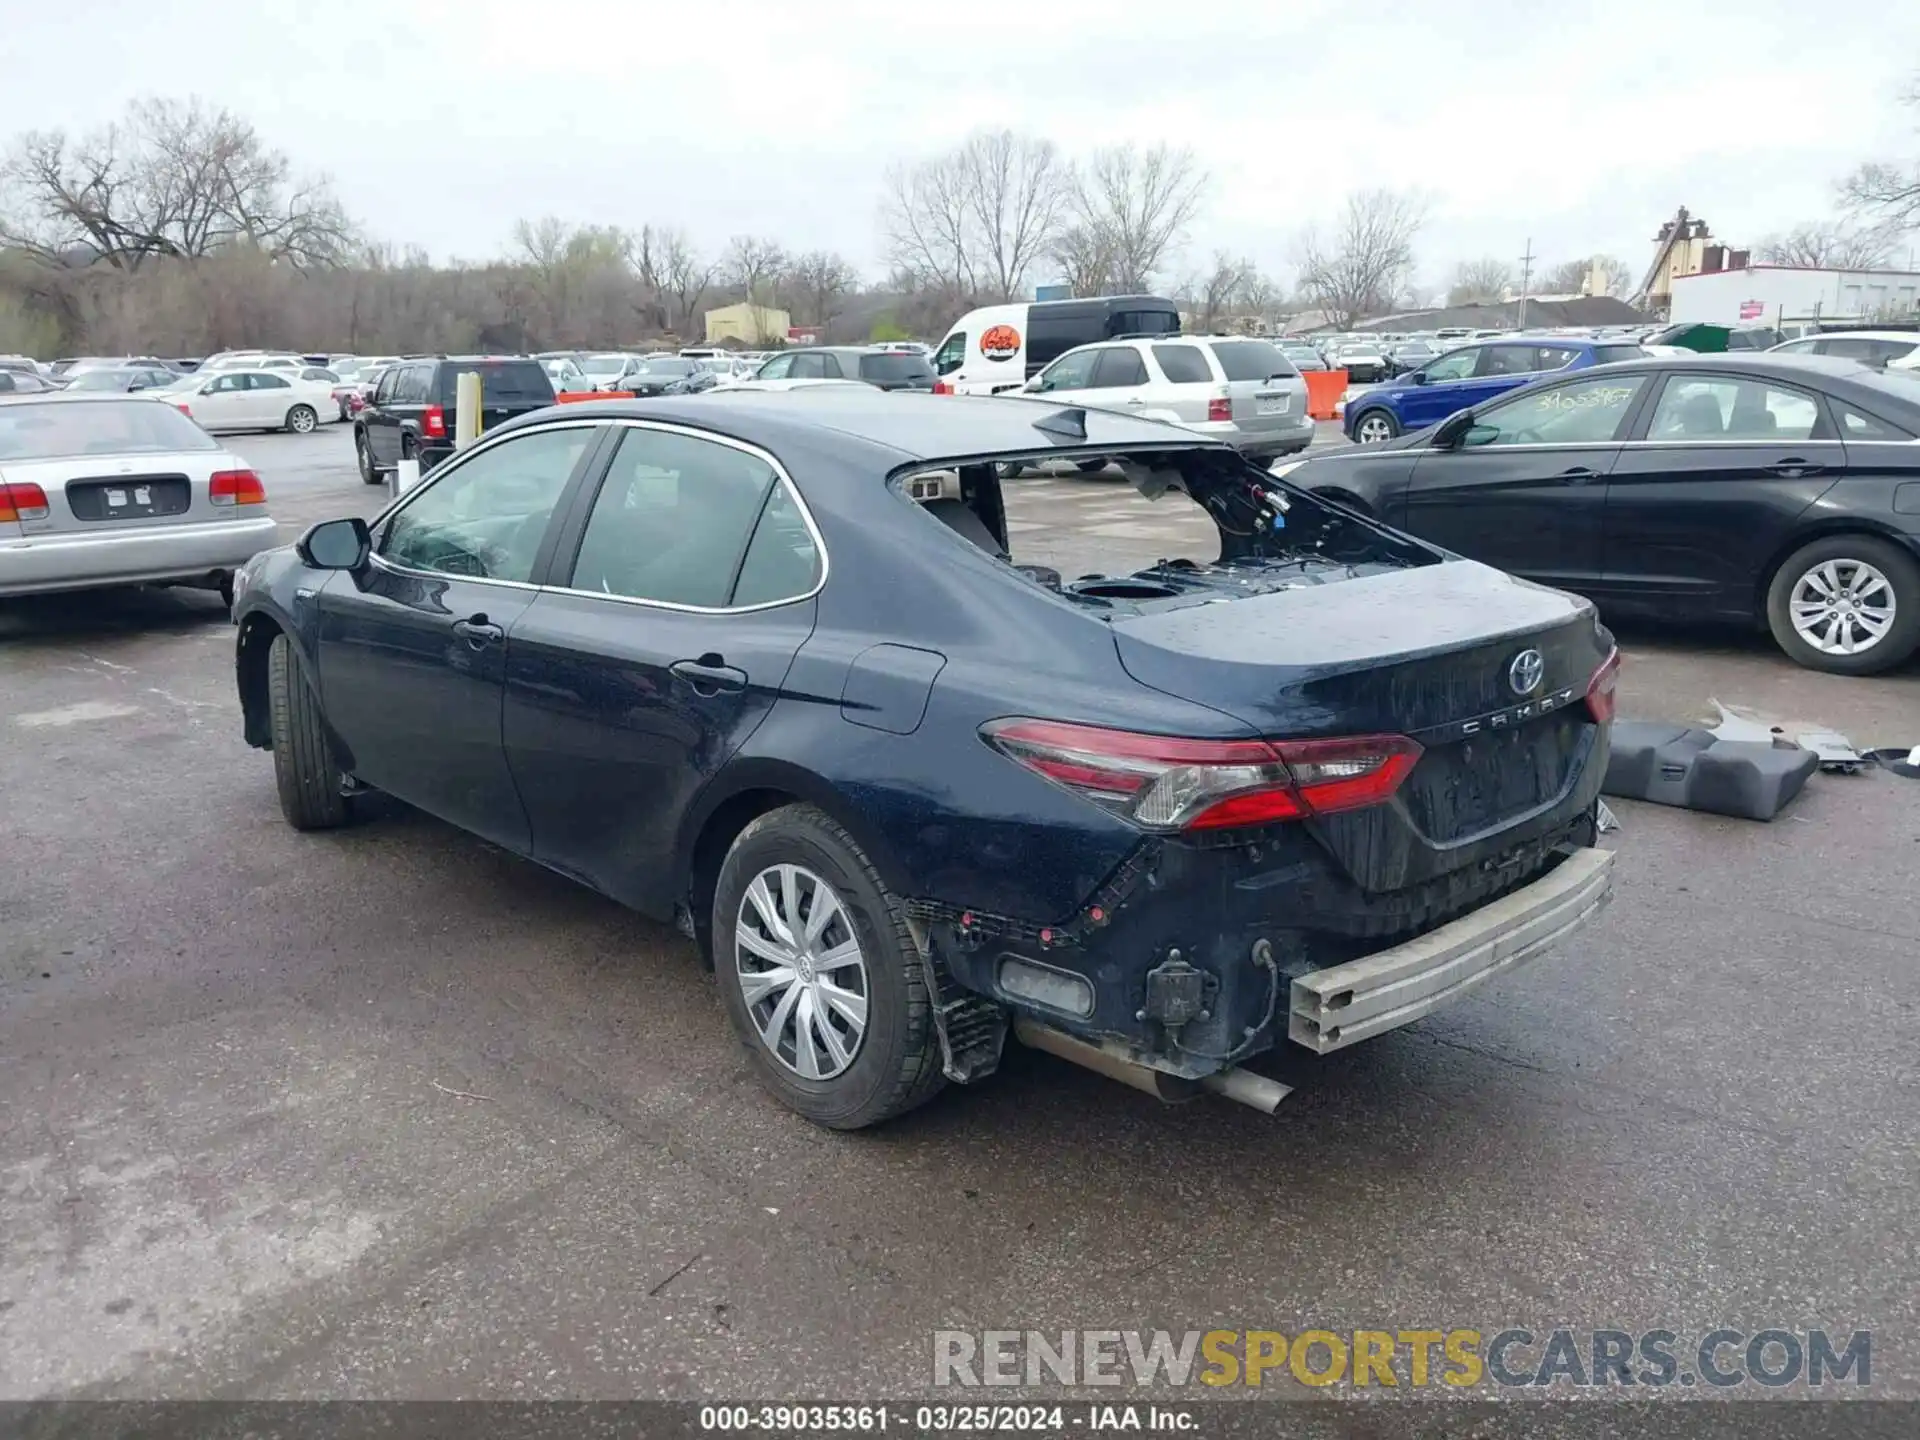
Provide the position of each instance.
(781, 477)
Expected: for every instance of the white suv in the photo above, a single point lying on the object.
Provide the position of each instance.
(1232, 387)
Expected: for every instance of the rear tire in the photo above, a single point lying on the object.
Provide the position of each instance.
(302, 420)
(1818, 584)
(895, 1063)
(363, 452)
(1089, 467)
(303, 764)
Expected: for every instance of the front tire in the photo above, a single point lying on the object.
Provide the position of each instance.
(303, 764)
(302, 420)
(1846, 604)
(820, 974)
(1376, 427)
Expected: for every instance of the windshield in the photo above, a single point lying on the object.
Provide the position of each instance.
(604, 364)
(54, 428)
(668, 365)
(102, 380)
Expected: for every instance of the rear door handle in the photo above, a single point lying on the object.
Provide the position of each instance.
(1793, 467)
(478, 633)
(710, 675)
(1579, 475)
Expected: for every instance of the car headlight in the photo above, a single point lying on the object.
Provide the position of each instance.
(1280, 469)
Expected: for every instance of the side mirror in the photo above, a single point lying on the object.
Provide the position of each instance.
(1418, 377)
(1452, 430)
(336, 544)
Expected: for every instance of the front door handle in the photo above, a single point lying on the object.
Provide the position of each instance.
(1133, 400)
(478, 633)
(1793, 467)
(709, 675)
(1579, 475)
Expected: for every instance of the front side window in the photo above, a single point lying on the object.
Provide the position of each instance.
(952, 353)
(227, 385)
(484, 516)
(673, 521)
(1723, 408)
(1455, 366)
(1072, 371)
(810, 367)
(383, 390)
(1587, 412)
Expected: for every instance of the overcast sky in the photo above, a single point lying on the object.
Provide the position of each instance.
(1580, 126)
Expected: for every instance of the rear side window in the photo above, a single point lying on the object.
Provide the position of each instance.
(1507, 360)
(1725, 408)
(1858, 425)
(673, 522)
(895, 369)
(511, 383)
(1552, 357)
(1119, 366)
(1182, 364)
(1250, 359)
(782, 561)
(414, 385)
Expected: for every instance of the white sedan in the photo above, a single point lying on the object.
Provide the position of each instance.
(255, 400)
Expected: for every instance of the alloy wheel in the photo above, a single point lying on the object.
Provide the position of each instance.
(1842, 606)
(798, 963)
(1374, 430)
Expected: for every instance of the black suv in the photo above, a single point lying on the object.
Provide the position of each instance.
(409, 416)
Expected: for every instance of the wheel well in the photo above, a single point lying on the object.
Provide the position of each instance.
(257, 634)
(1834, 530)
(722, 827)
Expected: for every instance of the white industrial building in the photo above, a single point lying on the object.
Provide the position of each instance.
(1790, 296)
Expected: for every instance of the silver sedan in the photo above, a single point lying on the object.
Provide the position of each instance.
(107, 489)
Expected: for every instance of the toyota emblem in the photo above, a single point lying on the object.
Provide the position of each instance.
(1526, 672)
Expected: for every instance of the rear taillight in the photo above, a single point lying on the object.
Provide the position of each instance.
(236, 487)
(433, 421)
(941, 387)
(184, 408)
(22, 501)
(1163, 783)
(1600, 696)
(1220, 408)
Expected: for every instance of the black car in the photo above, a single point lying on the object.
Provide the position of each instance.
(1777, 490)
(764, 662)
(887, 369)
(410, 414)
(658, 374)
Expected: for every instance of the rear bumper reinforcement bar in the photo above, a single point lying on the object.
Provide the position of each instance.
(1345, 1004)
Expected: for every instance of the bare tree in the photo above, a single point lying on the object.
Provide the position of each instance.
(1569, 277)
(753, 266)
(1211, 296)
(1825, 245)
(973, 221)
(1258, 294)
(1887, 192)
(169, 178)
(1611, 277)
(1086, 260)
(820, 281)
(1139, 205)
(687, 277)
(1361, 266)
(1476, 281)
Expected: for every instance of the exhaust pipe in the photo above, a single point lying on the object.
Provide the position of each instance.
(1242, 1085)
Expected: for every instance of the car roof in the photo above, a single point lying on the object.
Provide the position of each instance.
(911, 425)
(1912, 337)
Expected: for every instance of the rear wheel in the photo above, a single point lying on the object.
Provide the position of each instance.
(303, 766)
(302, 420)
(820, 974)
(363, 452)
(1090, 467)
(1846, 604)
(1376, 427)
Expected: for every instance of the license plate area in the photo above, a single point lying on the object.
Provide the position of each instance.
(1272, 404)
(131, 497)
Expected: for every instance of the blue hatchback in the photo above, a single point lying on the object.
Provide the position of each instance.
(1469, 376)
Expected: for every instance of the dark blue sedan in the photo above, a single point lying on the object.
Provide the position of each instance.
(764, 663)
(1469, 376)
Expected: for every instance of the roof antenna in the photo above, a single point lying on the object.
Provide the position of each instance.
(1068, 424)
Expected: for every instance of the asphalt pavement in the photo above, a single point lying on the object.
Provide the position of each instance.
(385, 1112)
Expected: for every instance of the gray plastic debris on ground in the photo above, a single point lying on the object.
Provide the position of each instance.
(1904, 763)
(1604, 818)
(1698, 770)
(1836, 752)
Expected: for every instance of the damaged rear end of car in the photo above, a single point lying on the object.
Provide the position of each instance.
(1335, 779)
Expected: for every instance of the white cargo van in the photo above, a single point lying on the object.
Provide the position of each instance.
(1000, 347)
